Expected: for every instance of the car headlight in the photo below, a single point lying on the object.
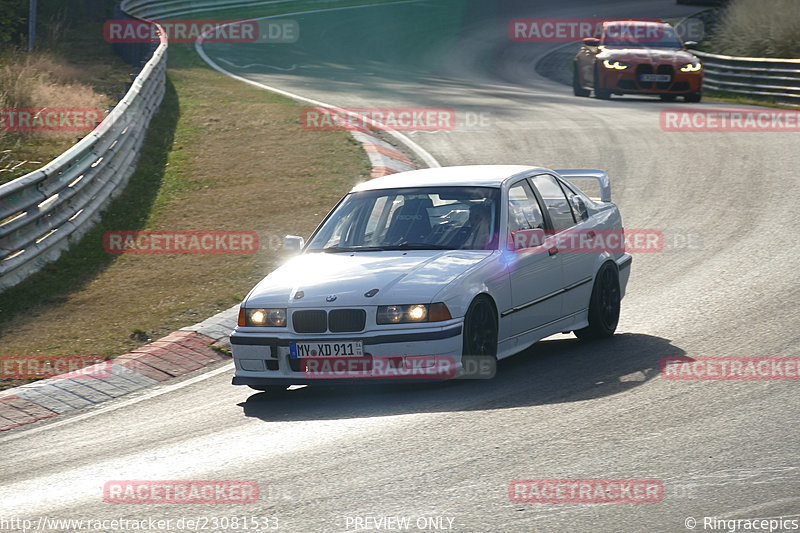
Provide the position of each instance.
(617, 65)
(403, 314)
(691, 67)
(261, 317)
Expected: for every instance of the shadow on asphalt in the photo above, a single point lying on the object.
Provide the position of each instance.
(552, 371)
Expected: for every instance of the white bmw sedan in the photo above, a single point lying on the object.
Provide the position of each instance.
(412, 272)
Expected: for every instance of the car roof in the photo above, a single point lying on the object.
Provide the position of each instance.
(468, 175)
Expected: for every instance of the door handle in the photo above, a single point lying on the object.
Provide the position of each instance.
(552, 251)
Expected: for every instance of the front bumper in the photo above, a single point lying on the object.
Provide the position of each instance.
(628, 82)
(408, 354)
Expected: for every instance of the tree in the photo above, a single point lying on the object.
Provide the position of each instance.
(13, 20)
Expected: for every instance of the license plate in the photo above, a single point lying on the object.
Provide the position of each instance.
(655, 77)
(326, 349)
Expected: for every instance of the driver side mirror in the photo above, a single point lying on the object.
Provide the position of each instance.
(293, 244)
(580, 207)
(591, 41)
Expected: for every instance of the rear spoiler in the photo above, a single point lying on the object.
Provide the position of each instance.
(589, 173)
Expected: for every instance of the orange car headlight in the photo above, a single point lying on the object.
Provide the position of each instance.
(260, 317)
(616, 65)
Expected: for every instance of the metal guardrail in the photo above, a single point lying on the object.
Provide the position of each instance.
(754, 76)
(45, 211)
(778, 79)
(133, 53)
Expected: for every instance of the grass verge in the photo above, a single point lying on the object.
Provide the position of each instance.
(219, 155)
(755, 28)
(79, 69)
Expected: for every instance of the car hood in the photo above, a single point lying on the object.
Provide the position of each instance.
(638, 56)
(400, 277)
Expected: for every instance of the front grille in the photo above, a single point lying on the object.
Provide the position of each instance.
(309, 321)
(665, 69)
(644, 69)
(337, 321)
(342, 320)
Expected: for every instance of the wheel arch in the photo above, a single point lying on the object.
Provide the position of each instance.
(491, 301)
(597, 81)
(605, 257)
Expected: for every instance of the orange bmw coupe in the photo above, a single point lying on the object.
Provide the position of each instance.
(637, 57)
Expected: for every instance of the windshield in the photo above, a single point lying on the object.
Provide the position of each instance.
(435, 218)
(640, 34)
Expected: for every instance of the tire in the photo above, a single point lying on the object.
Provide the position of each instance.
(604, 305)
(693, 97)
(577, 88)
(480, 328)
(667, 97)
(602, 94)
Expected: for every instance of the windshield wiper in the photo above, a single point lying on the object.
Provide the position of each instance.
(402, 246)
(418, 246)
(338, 249)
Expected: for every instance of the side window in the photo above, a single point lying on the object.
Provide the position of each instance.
(578, 214)
(523, 209)
(556, 201)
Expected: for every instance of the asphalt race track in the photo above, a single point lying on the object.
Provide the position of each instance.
(726, 283)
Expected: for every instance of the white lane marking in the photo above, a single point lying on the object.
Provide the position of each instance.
(117, 405)
(295, 66)
(421, 152)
